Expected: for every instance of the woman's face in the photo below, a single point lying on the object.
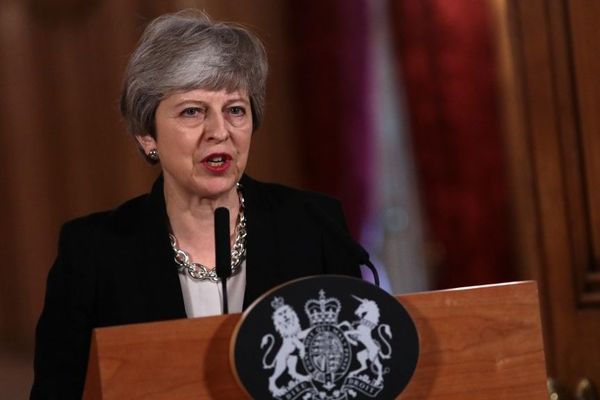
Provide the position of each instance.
(203, 139)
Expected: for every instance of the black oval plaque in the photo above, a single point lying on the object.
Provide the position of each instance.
(327, 338)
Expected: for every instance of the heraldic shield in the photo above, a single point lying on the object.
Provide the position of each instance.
(325, 338)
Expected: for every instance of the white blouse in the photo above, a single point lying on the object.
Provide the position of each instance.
(205, 298)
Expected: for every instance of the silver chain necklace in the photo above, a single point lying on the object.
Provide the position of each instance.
(200, 272)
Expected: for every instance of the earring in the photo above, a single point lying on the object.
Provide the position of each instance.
(153, 155)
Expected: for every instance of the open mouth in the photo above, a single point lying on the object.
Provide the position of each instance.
(217, 162)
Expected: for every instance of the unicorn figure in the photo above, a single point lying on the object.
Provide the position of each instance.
(361, 331)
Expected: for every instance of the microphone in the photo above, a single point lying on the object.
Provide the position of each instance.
(223, 251)
(343, 237)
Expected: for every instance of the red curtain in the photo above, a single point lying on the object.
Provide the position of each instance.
(447, 62)
(330, 63)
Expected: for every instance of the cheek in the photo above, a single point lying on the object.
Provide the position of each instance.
(244, 148)
(177, 142)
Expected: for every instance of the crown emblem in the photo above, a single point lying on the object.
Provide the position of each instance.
(324, 311)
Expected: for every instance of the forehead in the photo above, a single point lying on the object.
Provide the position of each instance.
(200, 94)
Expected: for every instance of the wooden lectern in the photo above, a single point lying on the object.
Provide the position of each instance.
(478, 343)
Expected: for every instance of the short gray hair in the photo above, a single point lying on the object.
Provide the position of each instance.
(185, 51)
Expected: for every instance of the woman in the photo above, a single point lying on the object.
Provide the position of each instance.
(193, 95)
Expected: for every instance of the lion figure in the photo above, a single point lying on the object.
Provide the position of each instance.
(287, 324)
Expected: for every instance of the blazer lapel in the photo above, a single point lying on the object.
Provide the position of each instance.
(262, 253)
(159, 274)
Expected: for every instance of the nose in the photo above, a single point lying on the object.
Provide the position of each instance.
(216, 127)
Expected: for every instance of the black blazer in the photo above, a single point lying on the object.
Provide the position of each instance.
(117, 267)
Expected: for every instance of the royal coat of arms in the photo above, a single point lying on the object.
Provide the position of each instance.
(329, 359)
(325, 338)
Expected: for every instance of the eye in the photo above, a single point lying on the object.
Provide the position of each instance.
(237, 111)
(191, 111)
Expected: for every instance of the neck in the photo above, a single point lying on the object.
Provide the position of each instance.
(192, 221)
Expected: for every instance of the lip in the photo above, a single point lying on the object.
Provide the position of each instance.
(217, 168)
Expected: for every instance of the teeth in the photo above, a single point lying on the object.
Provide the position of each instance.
(215, 161)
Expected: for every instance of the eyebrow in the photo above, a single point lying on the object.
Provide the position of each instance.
(204, 102)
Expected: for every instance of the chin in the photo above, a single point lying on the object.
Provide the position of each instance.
(217, 186)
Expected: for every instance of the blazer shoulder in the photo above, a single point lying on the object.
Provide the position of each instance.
(120, 219)
(283, 195)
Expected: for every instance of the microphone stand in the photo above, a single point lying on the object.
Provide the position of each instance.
(224, 289)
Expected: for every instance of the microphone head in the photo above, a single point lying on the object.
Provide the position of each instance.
(222, 243)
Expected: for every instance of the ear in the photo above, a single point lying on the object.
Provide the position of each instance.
(146, 142)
